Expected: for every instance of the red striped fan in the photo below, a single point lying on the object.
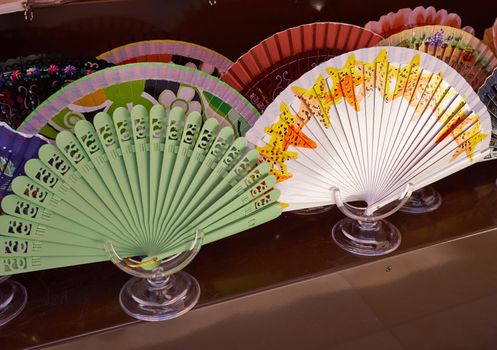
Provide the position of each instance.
(267, 69)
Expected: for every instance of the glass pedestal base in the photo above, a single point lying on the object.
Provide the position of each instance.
(313, 211)
(13, 298)
(424, 200)
(160, 299)
(366, 238)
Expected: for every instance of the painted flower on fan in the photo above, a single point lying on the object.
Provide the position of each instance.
(33, 72)
(184, 98)
(437, 39)
(70, 70)
(15, 75)
(53, 69)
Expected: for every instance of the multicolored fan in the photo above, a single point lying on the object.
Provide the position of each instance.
(368, 123)
(143, 181)
(25, 82)
(178, 52)
(142, 83)
(15, 150)
(488, 95)
(407, 18)
(267, 69)
(465, 53)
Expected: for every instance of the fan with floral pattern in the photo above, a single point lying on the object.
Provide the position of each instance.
(461, 50)
(406, 18)
(25, 82)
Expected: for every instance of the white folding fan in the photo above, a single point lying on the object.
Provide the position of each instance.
(371, 125)
(136, 185)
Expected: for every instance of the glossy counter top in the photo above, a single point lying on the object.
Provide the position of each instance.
(277, 258)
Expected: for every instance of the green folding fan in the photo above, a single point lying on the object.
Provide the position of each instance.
(143, 189)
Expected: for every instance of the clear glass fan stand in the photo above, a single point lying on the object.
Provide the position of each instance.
(424, 200)
(367, 235)
(161, 293)
(13, 298)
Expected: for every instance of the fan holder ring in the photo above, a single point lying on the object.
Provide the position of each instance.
(424, 200)
(159, 289)
(365, 233)
(13, 299)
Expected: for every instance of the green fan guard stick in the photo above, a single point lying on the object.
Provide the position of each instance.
(44, 177)
(139, 127)
(157, 129)
(239, 195)
(12, 226)
(249, 202)
(21, 208)
(215, 152)
(174, 130)
(108, 138)
(255, 205)
(63, 170)
(90, 141)
(204, 141)
(122, 125)
(20, 247)
(188, 139)
(227, 174)
(225, 164)
(232, 154)
(266, 214)
(72, 149)
(26, 188)
(12, 266)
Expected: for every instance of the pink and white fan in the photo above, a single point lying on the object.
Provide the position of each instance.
(407, 18)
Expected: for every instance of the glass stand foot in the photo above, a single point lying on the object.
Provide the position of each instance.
(13, 298)
(424, 200)
(313, 211)
(374, 238)
(159, 299)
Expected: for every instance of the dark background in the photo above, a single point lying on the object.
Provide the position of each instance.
(230, 27)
